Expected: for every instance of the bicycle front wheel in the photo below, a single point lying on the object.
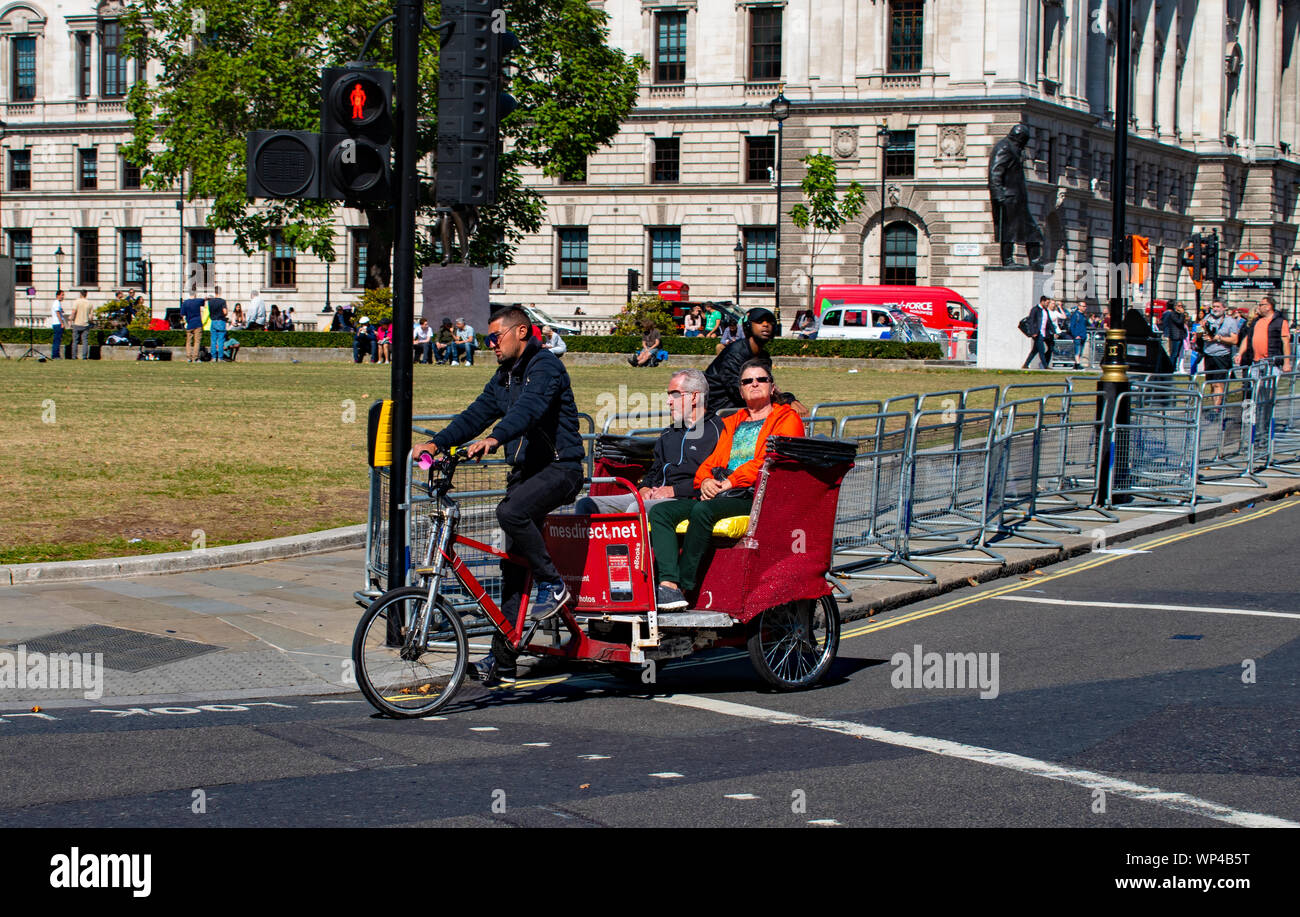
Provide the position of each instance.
(413, 682)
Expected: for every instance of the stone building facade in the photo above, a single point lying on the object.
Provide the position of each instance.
(908, 94)
(920, 90)
(66, 187)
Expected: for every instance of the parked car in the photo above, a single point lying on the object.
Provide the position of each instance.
(538, 317)
(869, 322)
(938, 308)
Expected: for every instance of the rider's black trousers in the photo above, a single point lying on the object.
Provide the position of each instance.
(530, 497)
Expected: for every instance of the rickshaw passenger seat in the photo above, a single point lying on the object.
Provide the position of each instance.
(729, 527)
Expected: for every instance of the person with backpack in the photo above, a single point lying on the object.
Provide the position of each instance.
(1039, 325)
(1267, 339)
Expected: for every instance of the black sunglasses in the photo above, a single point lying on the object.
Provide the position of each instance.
(755, 380)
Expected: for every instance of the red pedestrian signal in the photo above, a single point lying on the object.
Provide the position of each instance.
(358, 99)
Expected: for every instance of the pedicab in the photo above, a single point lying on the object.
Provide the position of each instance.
(763, 587)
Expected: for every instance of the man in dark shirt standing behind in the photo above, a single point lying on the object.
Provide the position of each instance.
(192, 309)
(724, 372)
(217, 315)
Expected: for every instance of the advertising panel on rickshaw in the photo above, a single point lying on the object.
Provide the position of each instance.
(603, 560)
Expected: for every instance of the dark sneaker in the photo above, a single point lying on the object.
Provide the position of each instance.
(669, 599)
(491, 673)
(550, 597)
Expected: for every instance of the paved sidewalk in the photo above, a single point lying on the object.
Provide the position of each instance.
(285, 626)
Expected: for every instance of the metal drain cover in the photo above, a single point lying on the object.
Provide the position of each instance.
(124, 650)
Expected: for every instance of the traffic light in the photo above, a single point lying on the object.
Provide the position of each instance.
(1192, 257)
(356, 121)
(283, 164)
(471, 102)
(633, 282)
(1140, 258)
(1210, 258)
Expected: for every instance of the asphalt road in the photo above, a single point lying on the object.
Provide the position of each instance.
(1156, 686)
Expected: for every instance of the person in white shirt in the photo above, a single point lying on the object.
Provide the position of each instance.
(424, 341)
(552, 341)
(465, 342)
(257, 313)
(56, 326)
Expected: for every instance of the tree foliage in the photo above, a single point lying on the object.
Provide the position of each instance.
(824, 211)
(224, 68)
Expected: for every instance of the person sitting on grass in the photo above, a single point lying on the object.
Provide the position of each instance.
(445, 344)
(725, 481)
(650, 353)
(384, 341)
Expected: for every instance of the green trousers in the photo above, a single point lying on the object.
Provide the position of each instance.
(683, 569)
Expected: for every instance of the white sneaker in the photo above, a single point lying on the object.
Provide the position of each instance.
(455, 363)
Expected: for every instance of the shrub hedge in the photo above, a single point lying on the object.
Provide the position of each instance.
(781, 347)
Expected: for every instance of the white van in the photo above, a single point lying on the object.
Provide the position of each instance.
(869, 322)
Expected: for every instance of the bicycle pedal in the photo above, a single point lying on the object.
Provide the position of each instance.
(528, 634)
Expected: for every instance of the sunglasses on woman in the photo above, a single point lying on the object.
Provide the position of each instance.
(756, 380)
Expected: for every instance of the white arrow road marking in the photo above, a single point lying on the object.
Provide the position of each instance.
(1201, 608)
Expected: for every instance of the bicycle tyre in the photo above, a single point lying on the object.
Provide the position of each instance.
(791, 646)
(412, 688)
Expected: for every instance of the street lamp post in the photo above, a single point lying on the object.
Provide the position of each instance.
(882, 134)
(780, 107)
(1295, 290)
(58, 269)
(146, 276)
(740, 264)
(1114, 365)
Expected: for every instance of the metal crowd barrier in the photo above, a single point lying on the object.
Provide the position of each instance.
(1154, 456)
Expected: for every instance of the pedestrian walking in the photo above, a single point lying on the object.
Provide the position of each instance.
(1040, 323)
(1078, 327)
(1220, 333)
(1267, 340)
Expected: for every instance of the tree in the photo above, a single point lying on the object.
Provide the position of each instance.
(228, 67)
(824, 211)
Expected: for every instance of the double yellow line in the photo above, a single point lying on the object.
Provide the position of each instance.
(871, 627)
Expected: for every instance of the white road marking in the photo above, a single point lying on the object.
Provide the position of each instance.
(1202, 609)
(740, 796)
(337, 702)
(827, 822)
(483, 729)
(432, 719)
(1121, 551)
(537, 745)
(594, 757)
(1179, 802)
(667, 775)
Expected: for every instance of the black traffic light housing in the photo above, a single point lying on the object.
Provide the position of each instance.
(1192, 257)
(356, 120)
(471, 102)
(283, 164)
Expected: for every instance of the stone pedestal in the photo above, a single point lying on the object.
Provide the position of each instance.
(1006, 296)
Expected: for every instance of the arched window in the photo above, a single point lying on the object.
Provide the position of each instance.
(900, 254)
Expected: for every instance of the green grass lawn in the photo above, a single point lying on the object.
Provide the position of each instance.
(105, 459)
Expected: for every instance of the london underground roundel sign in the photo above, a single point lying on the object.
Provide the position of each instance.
(1247, 262)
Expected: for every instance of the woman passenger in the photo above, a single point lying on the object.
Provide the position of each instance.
(725, 481)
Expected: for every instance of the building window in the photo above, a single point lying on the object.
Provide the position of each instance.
(360, 256)
(670, 47)
(764, 44)
(573, 259)
(132, 268)
(84, 63)
(20, 170)
(900, 155)
(900, 254)
(906, 24)
(88, 257)
(665, 255)
(284, 264)
(203, 257)
(760, 159)
(112, 64)
(576, 176)
(24, 75)
(496, 277)
(87, 170)
(130, 175)
(20, 247)
(760, 253)
(667, 165)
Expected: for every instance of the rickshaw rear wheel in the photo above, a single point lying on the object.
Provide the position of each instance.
(793, 645)
(401, 683)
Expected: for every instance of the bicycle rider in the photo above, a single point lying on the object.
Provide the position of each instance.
(531, 399)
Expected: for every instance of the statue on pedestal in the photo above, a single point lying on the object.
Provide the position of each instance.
(1012, 221)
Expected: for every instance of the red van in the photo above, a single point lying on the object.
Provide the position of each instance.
(935, 307)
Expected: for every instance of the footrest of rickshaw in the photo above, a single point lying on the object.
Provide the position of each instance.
(695, 619)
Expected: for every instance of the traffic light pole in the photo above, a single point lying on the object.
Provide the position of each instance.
(1114, 365)
(410, 18)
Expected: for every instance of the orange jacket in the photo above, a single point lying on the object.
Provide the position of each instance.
(783, 421)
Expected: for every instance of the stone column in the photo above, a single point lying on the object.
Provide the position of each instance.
(1266, 78)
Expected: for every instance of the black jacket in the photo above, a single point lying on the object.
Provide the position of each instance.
(1036, 321)
(724, 374)
(1175, 324)
(679, 451)
(533, 400)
